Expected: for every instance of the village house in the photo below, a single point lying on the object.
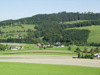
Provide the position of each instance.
(62, 46)
(39, 44)
(15, 48)
(58, 43)
(97, 55)
(18, 35)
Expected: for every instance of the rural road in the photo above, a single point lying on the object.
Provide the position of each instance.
(50, 59)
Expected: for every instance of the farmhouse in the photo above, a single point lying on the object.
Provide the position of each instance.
(18, 35)
(97, 55)
(15, 48)
(62, 46)
(39, 44)
(57, 43)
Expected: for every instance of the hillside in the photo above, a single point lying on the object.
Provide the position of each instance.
(94, 36)
(50, 28)
(15, 31)
(54, 17)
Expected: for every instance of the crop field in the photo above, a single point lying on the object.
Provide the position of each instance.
(44, 69)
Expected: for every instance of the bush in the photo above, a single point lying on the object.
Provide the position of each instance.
(2, 47)
(79, 55)
(69, 48)
(87, 56)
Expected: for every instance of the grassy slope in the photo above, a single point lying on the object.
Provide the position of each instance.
(16, 28)
(94, 35)
(94, 31)
(8, 30)
(73, 22)
(44, 69)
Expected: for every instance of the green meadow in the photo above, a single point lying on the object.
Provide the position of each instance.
(94, 36)
(77, 21)
(45, 69)
(42, 51)
(11, 31)
(17, 28)
(34, 47)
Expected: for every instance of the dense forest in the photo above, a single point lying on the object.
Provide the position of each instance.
(50, 28)
(56, 17)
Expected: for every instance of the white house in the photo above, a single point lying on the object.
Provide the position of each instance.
(15, 48)
(97, 55)
(62, 46)
(57, 43)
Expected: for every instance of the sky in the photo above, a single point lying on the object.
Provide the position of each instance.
(15, 9)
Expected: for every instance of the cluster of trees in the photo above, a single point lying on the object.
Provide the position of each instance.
(86, 53)
(72, 36)
(94, 44)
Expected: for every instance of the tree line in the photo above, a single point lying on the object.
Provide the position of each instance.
(55, 17)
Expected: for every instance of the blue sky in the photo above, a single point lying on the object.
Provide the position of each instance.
(15, 9)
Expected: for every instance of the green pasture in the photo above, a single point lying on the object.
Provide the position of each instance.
(94, 36)
(45, 69)
(77, 21)
(11, 31)
(33, 47)
(73, 48)
(17, 28)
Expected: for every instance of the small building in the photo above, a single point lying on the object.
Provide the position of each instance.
(97, 55)
(58, 43)
(18, 35)
(15, 48)
(48, 45)
(45, 46)
(62, 46)
(39, 44)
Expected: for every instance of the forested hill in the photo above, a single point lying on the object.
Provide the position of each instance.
(56, 17)
(51, 28)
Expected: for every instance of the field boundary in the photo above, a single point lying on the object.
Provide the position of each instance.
(41, 51)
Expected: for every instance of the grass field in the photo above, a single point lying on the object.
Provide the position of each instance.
(11, 31)
(32, 47)
(73, 22)
(94, 36)
(44, 69)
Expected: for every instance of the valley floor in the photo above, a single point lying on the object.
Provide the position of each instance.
(50, 59)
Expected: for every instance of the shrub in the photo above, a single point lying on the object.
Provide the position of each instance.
(87, 56)
(2, 47)
(79, 56)
(69, 48)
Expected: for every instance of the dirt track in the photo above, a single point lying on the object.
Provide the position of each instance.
(50, 59)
